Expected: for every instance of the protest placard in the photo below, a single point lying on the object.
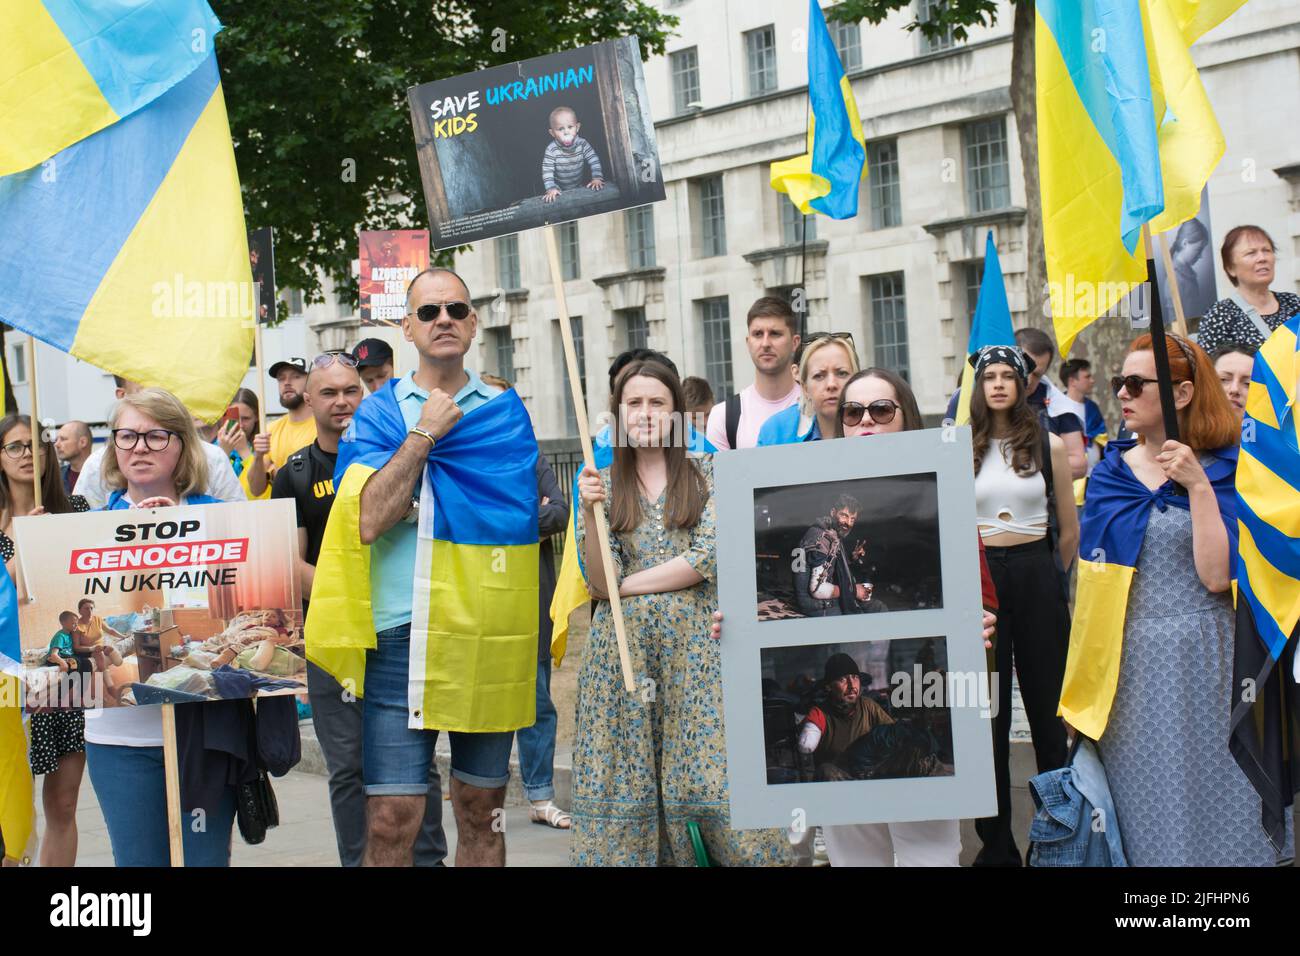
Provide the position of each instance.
(389, 259)
(261, 256)
(848, 576)
(135, 607)
(536, 142)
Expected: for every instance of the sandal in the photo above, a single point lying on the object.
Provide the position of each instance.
(550, 815)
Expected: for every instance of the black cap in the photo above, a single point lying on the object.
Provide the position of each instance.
(295, 363)
(372, 352)
(840, 665)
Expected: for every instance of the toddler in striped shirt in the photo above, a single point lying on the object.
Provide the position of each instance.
(567, 155)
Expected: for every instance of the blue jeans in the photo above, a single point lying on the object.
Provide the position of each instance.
(537, 743)
(130, 786)
(395, 759)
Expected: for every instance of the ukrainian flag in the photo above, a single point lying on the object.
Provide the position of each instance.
(1265, 719)
(127, 249)
(1126, 136)
(825, 179)
(474, 613)
(991, 325)
(1111, 533)
(69, 68)
(17, 809)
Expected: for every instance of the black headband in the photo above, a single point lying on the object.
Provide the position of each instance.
(1003, 355)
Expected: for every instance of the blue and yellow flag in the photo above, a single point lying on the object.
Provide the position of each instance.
(1113, 528)
(825, 179)
(17, 807)
(991, 325)
(474, 608)
(127, 249)
(69, 68)
(1126, 136)
(1265, 719)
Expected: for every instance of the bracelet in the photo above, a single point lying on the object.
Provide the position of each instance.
(417, 430)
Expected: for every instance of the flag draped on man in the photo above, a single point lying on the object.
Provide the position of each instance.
(1265, 737)
(991, 325)
(124, 241)
(825, 179)
(474, 608)
(1126, 136)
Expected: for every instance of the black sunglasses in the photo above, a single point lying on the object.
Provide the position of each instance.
(456, 310)
(845, 336)
(882, 412)
(1132, 383)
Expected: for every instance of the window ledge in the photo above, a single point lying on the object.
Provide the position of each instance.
(941, 227)
(815, 247)
(652, 274)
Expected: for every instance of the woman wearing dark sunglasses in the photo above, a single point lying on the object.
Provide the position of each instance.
(1021, 473)
(58, 746)
(1161, 720)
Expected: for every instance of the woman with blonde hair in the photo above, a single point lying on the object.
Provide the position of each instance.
(827, 362)
(157, 458)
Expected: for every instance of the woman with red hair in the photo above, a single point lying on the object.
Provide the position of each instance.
(1150, 677)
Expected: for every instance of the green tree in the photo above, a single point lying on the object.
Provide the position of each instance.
(316, 93)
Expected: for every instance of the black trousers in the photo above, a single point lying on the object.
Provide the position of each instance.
(1034, 630)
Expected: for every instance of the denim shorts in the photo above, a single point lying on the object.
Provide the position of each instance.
(395, 759)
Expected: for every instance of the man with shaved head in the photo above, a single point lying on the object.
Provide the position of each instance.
(73, 444)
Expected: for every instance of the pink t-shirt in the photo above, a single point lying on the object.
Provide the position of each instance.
(754, 411)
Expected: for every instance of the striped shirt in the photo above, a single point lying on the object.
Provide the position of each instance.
(562, 167)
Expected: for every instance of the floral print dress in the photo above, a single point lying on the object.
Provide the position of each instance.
(648, 763)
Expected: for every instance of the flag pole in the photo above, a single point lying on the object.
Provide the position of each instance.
(257, 358)
(1180, 321)
(588, 456)
(172, 780)
(1160, 349)
(37, 439)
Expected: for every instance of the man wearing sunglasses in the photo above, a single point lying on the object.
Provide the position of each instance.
(441, 324)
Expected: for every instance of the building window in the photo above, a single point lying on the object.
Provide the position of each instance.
(882, 180)
(974, 279)
(847, 38)
(640, 224)
(795, 226)
(798, 303)
(570, 267)
(713, 218)
(988, 184)
(889, 323)
(715, 319)
(579, 346)
(925, 11)
(18, 367)
(760, 55)
(636, 330)
(508, 262)
(293, 299)
(684, 67)
(503, 352)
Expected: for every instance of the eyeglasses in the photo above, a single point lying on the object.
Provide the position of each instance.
(1132, 383)
(456, 310)
(155, 439)
(326, 359)
(16, 449)
(882, 412)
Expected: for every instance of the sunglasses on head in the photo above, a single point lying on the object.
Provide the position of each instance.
(882, 412)
(455, 309)
(326, 359)
(838, 336)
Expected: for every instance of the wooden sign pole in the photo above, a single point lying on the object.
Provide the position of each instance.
(37, 473)
(172, 772)
(257, 362)
(588, 456)
(1180, 322)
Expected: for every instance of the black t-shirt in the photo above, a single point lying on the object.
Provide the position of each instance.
(1058, 424)
(308, 478)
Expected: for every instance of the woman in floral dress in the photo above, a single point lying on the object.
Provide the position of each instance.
(649, 763)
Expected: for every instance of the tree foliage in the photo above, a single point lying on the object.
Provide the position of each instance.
(316, 93)
(954, 15)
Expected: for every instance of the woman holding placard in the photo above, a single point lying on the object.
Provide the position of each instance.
(154, 461)
(1021, 472)
(58, 745)
(655, 758)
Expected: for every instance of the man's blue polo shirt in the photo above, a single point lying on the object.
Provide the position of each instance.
(392, 556)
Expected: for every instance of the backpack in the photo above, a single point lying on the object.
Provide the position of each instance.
(733, 419)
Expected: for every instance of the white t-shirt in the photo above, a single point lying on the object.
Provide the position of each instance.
(754, 411)
(125, 726)
(222, 482)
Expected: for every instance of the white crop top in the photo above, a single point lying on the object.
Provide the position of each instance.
(1006, 501)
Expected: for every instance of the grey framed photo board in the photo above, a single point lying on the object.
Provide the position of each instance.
(854, 673)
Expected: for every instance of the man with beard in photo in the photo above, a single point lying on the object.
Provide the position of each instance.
(823, 578)
(848, 714)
